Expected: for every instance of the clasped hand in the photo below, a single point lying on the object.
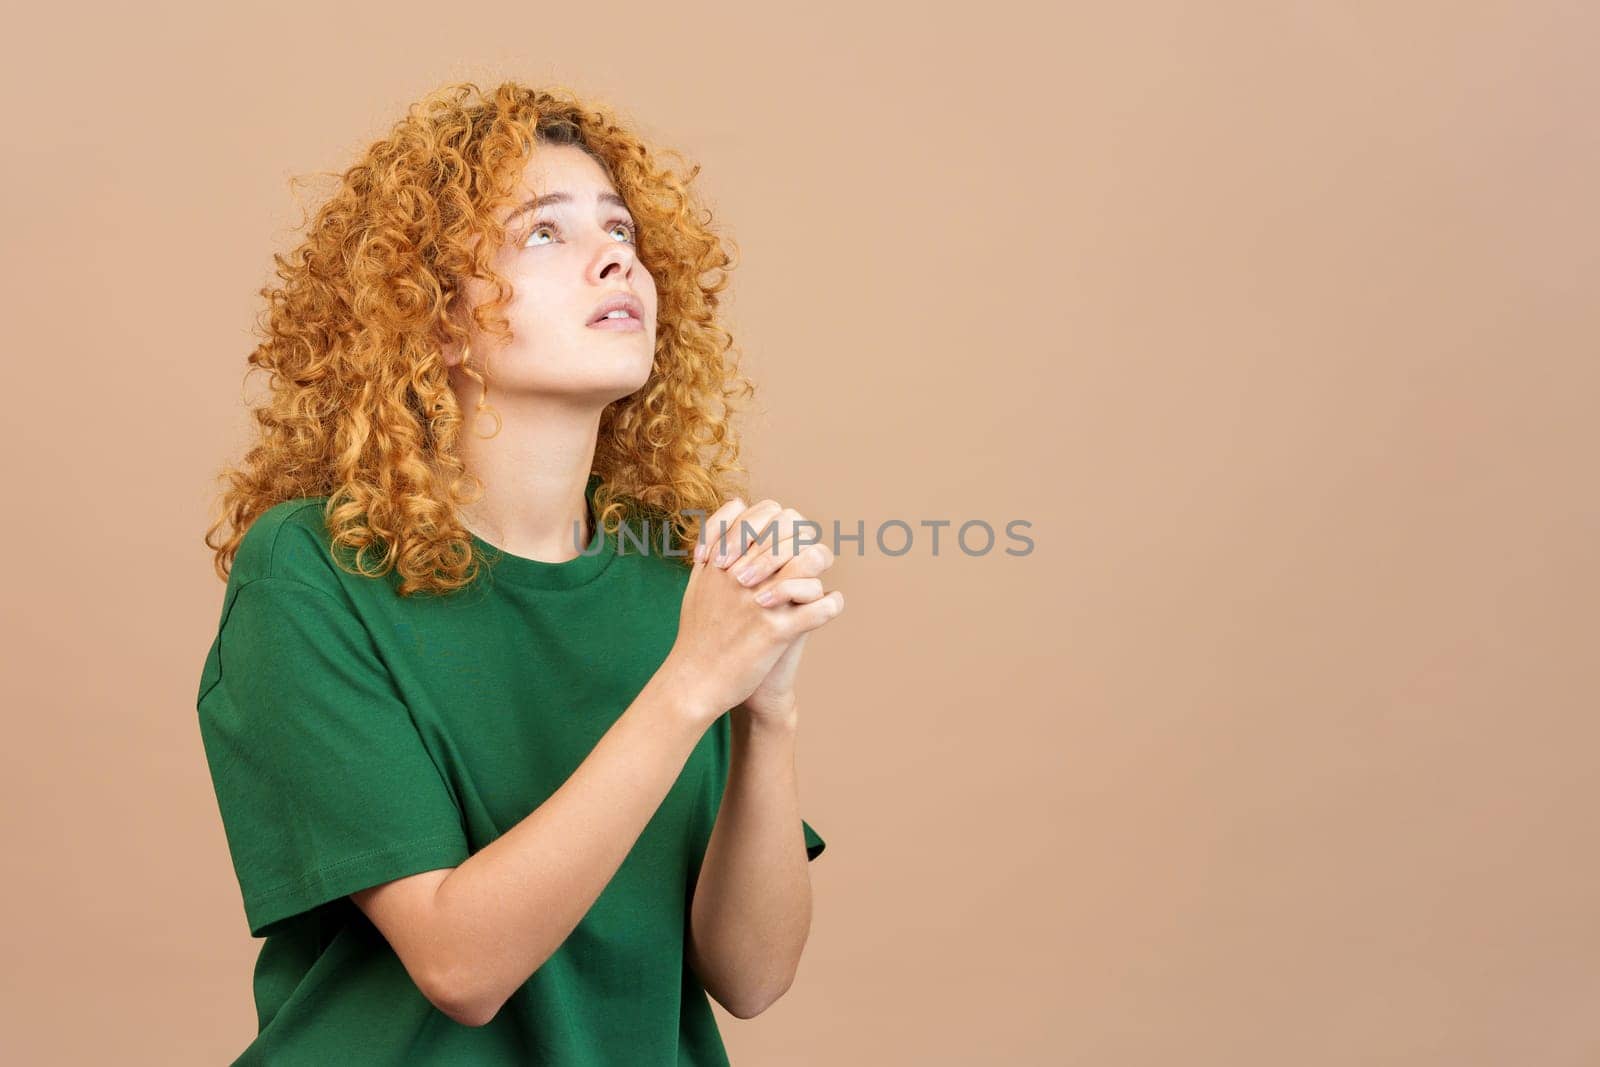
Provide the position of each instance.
(754, 595)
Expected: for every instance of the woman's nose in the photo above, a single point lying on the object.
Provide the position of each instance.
(619, 256)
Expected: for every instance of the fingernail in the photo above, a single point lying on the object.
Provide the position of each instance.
(745, 575)
(764, 597)
(700, 552)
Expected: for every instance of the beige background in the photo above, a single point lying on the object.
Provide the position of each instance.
(1277, 321)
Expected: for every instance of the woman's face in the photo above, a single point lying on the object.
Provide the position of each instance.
(569, 247)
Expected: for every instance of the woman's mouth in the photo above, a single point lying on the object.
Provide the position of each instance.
(617, 320)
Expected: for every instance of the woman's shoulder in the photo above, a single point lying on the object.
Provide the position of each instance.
(288, 540)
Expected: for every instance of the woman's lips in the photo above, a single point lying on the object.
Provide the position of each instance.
(629, 324)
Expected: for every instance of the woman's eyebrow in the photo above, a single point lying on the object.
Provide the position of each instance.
(561, 198)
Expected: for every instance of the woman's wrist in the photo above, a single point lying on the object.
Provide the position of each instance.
(679, 690)
(783, 721)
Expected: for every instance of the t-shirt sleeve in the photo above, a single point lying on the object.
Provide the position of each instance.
(323, 780)
(814, 842)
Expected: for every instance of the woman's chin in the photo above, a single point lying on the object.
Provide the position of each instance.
(601, 387)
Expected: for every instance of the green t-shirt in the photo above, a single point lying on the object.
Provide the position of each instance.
(355, 736)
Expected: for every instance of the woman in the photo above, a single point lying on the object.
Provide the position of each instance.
(502, 720)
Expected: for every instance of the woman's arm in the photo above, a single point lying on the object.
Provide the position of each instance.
(471, 935)
(751, 912)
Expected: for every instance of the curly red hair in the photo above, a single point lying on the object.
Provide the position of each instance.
(360, 408)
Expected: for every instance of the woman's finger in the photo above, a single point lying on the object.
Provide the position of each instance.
(750, 532)
(806, 617)
(715, 526)
(790, 591)
(809, 562)
(766, 558)
(742, 532)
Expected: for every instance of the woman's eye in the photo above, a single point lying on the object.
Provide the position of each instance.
(626, 227)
